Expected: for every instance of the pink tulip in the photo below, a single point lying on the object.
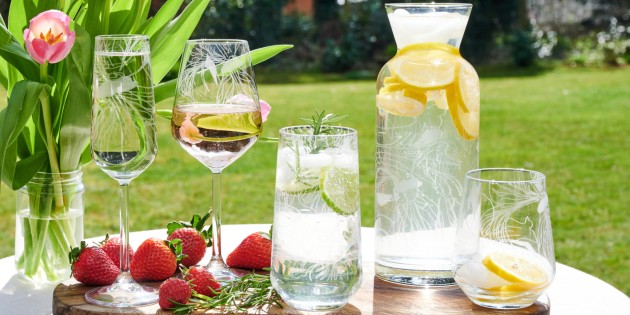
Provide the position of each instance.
(265, 109)
(48, 37)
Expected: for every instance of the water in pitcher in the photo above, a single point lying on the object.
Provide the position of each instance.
(427, 139)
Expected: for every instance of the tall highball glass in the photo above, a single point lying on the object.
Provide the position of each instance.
(316, 253)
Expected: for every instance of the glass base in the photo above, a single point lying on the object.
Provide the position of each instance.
(122, 295)
(424, 278)
(311, 306)
(220, 271)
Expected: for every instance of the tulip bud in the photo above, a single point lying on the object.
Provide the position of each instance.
(48, 37)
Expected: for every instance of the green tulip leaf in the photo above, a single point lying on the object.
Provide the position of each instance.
(12, 53)
(166, 89)
(164, 113)
(26, 168)
(23, 101)
(163, 16)
(167, 45)
(74, 133)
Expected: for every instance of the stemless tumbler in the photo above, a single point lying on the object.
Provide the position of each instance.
(505, 256)
(316, 257)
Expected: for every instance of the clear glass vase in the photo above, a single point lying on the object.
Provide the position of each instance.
(49, 222)
(427, 139)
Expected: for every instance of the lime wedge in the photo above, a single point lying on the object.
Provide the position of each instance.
(340, 189)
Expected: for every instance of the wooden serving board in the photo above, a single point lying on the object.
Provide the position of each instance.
(374, 297)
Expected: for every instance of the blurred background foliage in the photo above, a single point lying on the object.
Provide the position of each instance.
(354, 37)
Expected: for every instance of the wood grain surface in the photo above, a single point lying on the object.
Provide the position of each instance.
(374, 297)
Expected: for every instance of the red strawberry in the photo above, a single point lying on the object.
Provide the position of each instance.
(193, 236)
(111, 246)
(154, 260)
(174, 289)
(201, 280)
(254, 252)
(91, 266)
(193, 245)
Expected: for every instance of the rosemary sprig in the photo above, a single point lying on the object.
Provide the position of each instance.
(320, 121)
(250, 291)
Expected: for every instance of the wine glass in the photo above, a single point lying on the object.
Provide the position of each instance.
(216, 117)
(123, 142)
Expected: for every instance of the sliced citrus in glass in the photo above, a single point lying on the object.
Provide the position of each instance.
(467, 86)
(516, 269)
(340, 189)
(398, 104)
(438, 97)
(465, 121)
(430, 70)
(421, 48)
(295, 188)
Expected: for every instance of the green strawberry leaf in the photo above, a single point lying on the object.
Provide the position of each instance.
(74, 253)
(176, 246)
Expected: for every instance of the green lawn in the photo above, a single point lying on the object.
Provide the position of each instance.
(571, 124)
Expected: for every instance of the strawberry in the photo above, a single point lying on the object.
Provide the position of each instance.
(201, 280)
(174, 290)
(91, 266)
(254, 252)
(111, 246)
(154, 260)
(194, 238)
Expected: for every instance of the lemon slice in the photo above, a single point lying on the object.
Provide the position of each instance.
(438, 97)
(398, 104)
(432, 70)
(467, 85)
(465, 120)
(421, 48)
(517, 270)
(340, 189)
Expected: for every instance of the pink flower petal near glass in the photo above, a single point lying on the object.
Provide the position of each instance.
(48, 37)
(265, 108)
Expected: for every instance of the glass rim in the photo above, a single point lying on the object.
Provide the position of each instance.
(216, 40)
(429, 5)
(286, 131)
(120, 36)
(474, 174)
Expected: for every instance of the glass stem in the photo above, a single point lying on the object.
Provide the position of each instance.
(124, 228)
(216, 220)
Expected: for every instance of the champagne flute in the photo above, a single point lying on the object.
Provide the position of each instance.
(216, 117)
(123, 142)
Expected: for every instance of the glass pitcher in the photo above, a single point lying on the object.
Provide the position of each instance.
(427, 139)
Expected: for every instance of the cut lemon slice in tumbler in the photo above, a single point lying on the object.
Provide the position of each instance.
(517, 270)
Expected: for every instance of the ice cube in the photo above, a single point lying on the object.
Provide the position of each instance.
(318, 161)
